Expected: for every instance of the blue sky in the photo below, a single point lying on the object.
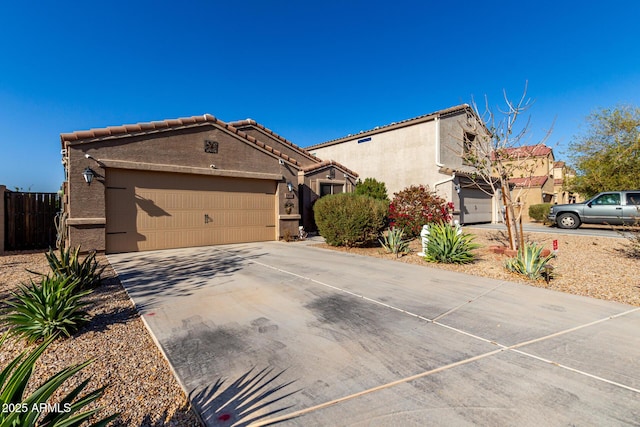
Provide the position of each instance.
(310, 71)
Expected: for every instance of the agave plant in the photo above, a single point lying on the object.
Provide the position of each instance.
(529, 263)
(50, 308)
(393, 242)
(35, 409)
(87, 271)
(447, 244)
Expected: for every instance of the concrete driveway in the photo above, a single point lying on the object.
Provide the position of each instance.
(273, 331)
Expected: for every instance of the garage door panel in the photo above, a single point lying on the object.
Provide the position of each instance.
(152, 210)
(476, 206)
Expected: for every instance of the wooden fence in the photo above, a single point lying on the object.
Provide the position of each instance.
(29, 220)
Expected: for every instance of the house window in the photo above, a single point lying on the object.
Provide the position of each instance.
(468, 147)
(331, 188)
(325, 189)
(469, 139)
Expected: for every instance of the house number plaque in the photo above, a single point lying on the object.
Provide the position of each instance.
(210, 146)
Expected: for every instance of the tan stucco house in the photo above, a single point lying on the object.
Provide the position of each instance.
(423, 150)
(562, 174)
(532, 178)
(189, 182)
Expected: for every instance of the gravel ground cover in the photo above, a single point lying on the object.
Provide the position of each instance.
(589, 266)
(140, 384)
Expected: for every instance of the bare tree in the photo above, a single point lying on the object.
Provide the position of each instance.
(502, 153)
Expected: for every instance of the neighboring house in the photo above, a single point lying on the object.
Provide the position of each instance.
(533, 177)
(424, 150)
(189, 182)
(561, 175)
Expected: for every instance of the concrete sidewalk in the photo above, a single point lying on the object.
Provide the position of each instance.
(274, 331)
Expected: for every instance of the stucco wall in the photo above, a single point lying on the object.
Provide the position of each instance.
(404, 156)
(183, 148)
(309, 189)
(533, 196)
(283, 147)
(399, 157)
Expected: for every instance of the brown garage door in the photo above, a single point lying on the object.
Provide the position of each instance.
(155, 210)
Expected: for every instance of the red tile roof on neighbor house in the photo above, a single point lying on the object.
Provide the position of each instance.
(532, 181)
(558, 181)
(558, 164)
(113, 132)
(538, 150)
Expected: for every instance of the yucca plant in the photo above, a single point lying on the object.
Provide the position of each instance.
(448, 244)
(46, 309)
(35, 409)
(394, 243)
(68, 264)
(529, 263)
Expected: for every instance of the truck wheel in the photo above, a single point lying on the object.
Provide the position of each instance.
(568, 220)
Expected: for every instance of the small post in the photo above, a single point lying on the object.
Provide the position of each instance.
(3, 188)
(424, 235)
(521, 242)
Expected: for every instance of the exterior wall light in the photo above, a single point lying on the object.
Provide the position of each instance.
(289, 186)
(88, 175)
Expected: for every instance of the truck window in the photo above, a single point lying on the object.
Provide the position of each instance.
(608, 199)
(633, 199)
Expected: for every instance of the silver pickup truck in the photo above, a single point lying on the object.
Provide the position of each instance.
(610, 207)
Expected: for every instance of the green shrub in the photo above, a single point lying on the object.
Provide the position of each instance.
(393, 242)
(447, 244)
(529, 263)
(416, 206)
(539, 212)
(349, 219)
(372, 188)
(25, 411)
(88, 271)
(46, 309)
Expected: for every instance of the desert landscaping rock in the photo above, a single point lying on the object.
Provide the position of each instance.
(140, 384)
(585, 265)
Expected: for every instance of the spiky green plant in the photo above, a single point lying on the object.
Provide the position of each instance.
(32, 410)
(447, 244)
(68, 264)
(394, 243)
(46, 309)
(529, 263)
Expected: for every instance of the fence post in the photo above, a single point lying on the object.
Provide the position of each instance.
(2, 221)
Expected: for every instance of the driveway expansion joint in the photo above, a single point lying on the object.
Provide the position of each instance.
(435, 321)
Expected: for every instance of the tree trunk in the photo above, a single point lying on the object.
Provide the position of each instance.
(511, 221)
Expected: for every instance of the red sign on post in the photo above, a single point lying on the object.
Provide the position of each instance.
(555, 245)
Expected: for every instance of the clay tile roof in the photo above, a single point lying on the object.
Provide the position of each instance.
(326, 163)
(539, 150)
(533, 181)
(558, 181)
(115, 131)
(150, 127)
(559, 164)
(251, 122)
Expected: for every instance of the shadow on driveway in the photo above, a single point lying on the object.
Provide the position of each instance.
(152, 276)
(242, 402)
